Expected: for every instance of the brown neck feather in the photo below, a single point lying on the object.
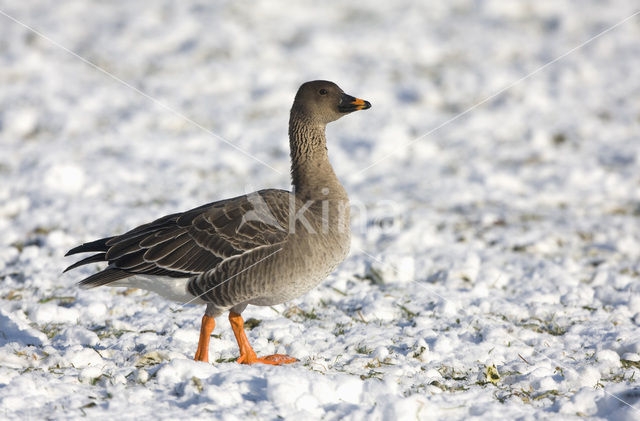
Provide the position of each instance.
(311, 171)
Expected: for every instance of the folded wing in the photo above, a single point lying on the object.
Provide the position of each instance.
(187, 244)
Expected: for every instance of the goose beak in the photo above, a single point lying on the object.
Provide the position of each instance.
(349, 104)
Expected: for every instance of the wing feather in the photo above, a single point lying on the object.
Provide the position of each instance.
(159, 251)
(193, 242)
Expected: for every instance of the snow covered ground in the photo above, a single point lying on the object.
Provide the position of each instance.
(495, 263)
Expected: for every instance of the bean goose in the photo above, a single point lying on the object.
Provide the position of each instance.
(263, 248)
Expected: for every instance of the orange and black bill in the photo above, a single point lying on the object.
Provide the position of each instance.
(349, 104)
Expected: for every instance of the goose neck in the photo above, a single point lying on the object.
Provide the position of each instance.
(311, 172)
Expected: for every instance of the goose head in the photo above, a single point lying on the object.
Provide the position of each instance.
(322, 102)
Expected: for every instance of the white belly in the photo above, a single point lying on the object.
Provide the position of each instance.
(174, 289)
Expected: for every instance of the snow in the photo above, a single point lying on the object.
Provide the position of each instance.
(493, 237)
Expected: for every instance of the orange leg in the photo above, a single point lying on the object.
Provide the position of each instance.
(247, 355)
(208, 323)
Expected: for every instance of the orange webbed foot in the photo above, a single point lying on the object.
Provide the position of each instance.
(247, 355)
(275, 359)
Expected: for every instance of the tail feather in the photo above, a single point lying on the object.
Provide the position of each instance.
(100, 257)
(97, 245)
(105, 277)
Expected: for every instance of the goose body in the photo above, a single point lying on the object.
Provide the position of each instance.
(263, 248)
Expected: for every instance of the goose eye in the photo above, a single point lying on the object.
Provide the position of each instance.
(322, 91)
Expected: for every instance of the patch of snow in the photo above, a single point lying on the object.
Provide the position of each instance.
(507, 236)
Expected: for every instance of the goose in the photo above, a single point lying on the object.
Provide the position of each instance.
(263, 248)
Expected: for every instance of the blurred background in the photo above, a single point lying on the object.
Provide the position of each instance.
(233, 67)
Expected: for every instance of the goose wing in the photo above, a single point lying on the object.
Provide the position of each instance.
(193, 242)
